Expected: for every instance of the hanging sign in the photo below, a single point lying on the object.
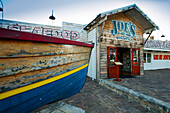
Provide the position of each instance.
(123, 30)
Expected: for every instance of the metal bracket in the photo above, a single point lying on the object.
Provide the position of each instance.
(148, 37)
(102, 28)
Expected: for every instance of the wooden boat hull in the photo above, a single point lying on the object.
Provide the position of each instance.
(40, 69)
(37, 97)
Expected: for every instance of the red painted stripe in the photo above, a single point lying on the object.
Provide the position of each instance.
(20, 35)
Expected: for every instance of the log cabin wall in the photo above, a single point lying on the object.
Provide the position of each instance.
(107, 39)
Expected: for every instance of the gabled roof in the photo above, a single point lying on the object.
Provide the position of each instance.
(133, 12)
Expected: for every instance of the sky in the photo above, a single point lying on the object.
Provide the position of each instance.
(84, 11)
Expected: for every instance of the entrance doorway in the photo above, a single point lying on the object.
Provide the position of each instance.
(123, 56)
(130, 58)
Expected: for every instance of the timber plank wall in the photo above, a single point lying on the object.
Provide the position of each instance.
(107, 39)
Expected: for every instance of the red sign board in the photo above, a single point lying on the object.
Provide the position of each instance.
(161, 57)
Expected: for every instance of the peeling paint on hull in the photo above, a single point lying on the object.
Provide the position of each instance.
(34, 73)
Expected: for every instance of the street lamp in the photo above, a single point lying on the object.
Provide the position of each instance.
(162, 35)
(1, 9)
(52, 17)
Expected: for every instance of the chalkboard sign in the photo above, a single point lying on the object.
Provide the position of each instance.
(118, 63)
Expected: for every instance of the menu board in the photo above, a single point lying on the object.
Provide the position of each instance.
(118, 63)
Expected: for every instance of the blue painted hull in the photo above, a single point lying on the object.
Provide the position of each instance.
(37, 97)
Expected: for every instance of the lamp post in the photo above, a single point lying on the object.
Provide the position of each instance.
(160, 33)
(2, 9)
(52, 17)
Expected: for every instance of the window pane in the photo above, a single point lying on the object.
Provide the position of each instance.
(112, 56)
(148, 57)
(136, 57)
(144, 58)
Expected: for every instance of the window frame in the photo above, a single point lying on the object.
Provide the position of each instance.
(146, 58)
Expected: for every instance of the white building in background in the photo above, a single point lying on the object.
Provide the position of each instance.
(70, 31)
(156, 55)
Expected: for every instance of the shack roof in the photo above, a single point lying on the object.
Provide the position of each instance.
(133, 11)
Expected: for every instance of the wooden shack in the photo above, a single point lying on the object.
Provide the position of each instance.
(118, 37)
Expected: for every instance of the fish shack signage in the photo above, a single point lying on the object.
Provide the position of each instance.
(43, 30)
(123, 30)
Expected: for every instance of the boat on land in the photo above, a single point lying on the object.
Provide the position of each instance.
(36, 69)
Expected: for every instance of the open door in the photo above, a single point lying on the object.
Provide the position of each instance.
(112, 57)
(135, 61)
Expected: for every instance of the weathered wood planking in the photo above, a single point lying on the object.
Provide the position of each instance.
(10, 48)
(25, 62)
(24, 56)
(107, 39)
(36, 69)
(22, 79)
(21, 65)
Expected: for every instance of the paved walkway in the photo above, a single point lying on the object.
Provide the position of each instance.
(154, 83)
(59, 107)
(94, 98)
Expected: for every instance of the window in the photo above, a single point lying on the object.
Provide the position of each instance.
(148, 57)
(144, 58)
(136, 57)
(112, 56)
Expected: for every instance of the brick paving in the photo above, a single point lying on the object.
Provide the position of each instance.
(94, 98)
(155, 83)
